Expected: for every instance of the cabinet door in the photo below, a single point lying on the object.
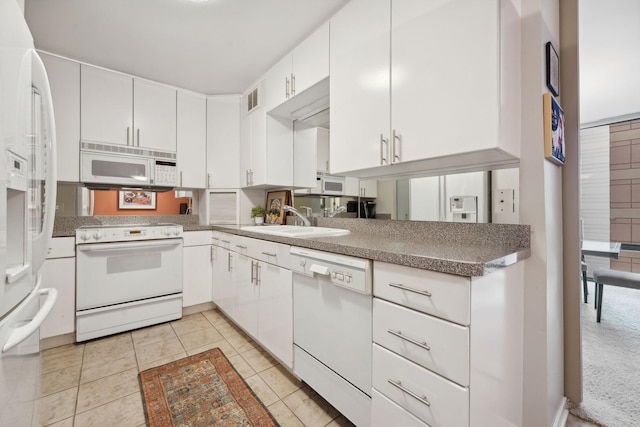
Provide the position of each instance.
(275, 311)
(310, 60)
(60, 273)
(196, 275)
(359, 86)
(106, 106)
(277, 84)
(245, 144)
(64, 79)
(245, 307)
(258, 169)
(452, 78)
(369, 188)
(223, 141)
(323, 150)
(154, 115)
(192, 139)
(351, 186)
(222, 289)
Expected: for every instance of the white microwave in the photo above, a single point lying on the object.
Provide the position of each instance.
(327, 185)
(105, 166)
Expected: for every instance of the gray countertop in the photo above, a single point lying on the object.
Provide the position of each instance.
(455, 248)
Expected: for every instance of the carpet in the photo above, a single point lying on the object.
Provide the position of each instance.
(611, 359)
(201, 390)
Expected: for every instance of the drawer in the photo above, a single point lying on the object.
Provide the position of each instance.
(221, 239)
(62, 247)
(270, 252)
(196, 238)
(385, 413)
(438, 345)
(442, 295)
(431, 398)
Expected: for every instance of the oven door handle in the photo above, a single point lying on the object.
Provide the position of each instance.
(95, 247)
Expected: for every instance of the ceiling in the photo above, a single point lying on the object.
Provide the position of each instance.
(211, 47)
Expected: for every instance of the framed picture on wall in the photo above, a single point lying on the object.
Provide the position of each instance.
(554, 144)
(553, 70)
(136, 199)
(275, 201)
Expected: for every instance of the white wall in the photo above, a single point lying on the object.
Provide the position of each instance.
(609, 60)
(541, 208)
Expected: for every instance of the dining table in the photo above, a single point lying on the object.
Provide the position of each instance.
(601, 248)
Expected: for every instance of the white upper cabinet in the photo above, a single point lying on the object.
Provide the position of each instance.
(106, 106)
(154, 115)
(64, 79)
(302, 68)
(453, 100)
(359, 85)
(266, 145)
(223, 141)
(192, 140)
(119, 109)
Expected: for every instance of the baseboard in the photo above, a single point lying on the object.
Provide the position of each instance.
(198, 308)
(57, 341)
(561, 414)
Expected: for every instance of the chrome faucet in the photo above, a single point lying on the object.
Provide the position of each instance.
(336, 211)
(305, 221)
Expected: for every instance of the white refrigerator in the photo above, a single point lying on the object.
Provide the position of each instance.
(27, 209)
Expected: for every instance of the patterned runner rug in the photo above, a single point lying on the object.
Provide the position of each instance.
(201, 390)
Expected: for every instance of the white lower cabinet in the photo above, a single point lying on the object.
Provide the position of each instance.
(59, 272)
(447, 349)
(197, 269)
(254, 291)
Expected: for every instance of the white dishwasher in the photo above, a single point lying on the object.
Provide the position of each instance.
(332, 306)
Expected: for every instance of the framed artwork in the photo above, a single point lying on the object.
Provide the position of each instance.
(554, 144)
(553, 70)
(136, 199)
(275, 201)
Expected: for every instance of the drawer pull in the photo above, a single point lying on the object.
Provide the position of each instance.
(226, 241)
(399, 334)
(241, 247)
(406, 288)
(399, 385)
(214, 238)
(269, 254)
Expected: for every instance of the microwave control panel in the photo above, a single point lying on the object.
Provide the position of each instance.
(166, 174)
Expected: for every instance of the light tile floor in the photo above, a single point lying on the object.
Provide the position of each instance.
(96, 383)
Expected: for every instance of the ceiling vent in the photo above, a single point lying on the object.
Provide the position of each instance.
(252, 100)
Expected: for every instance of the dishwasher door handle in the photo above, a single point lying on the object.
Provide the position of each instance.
(320, 269)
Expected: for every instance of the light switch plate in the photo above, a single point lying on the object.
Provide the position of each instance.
(503, 201)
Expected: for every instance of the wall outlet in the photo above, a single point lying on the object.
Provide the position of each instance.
(503, 201)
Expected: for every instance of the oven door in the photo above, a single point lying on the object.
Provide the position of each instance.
(98, 168)
(113, 273)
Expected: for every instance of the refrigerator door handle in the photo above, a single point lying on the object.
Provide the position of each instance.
(23, 332)
(42, 242)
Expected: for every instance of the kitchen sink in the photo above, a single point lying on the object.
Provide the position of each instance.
(295, 231)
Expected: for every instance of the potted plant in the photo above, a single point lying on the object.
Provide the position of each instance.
(258, 213)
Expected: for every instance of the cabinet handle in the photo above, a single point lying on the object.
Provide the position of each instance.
(215, 238)
(225, 241)
(396, 143)
(286, 87)
(213, 251)
(406, 288)
(269, 254)
(399, 385)
(138, 136)
(252, 275)
(128, 129)
(229, 261)
(251, 174)
(327, 166)
(383, 159)
(399, 334)
(258, 267)
(241, 247)
(208, 180)
(293, 84)
(180, 178)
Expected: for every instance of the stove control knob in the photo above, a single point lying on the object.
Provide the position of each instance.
(84, 235)
(176, 231)
(96, 235)
(303, 262)
(167, 232)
